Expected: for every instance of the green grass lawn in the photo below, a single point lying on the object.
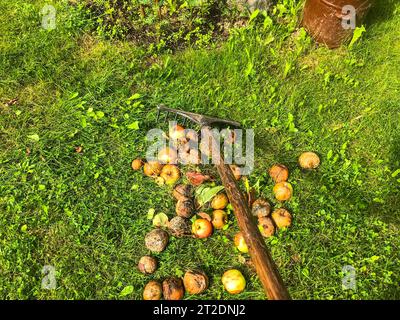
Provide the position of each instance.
(86, 214)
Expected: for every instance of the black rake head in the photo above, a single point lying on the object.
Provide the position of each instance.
(199, 119)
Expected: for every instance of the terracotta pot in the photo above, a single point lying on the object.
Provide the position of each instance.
(328, 22)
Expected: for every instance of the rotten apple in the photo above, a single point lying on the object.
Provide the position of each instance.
(156, 240)
(152, 291)
(309, 160)
(279, 173)
(219, 202)
(282, 218)
(240, 243)
(147, 265)
(170, 173)
(173, 289)
(195, 282)
(283, 191)
(137, 164)
(220, 218)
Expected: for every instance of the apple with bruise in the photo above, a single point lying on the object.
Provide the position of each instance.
(220, 219)
(309, 160)
(240, 243)
(283, 191)
(219, 202)
(170, 173)
(152, 291)
(279, 173)
(233, 281)
(282, 218)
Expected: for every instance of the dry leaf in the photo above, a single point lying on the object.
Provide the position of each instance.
(204, 216)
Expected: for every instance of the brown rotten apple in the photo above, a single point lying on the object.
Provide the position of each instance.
(261, 208)
(173, 289)
(147, 265)
(195, 282)
(170, 173)
(283, 191)
(266, 226)
(279, 173)
(156, 240)
(183, 192)
(184, 208)
(309, 160)
(152, 291)
(152, 168)
(179, 226)
(220, 218)
(282, 218)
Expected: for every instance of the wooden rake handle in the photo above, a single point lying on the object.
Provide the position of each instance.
(259, 253)
(266, 268)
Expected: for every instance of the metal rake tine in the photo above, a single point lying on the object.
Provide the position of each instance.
(166, 116)
(158, 115)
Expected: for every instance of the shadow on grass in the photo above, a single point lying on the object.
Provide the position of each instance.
(380, 12)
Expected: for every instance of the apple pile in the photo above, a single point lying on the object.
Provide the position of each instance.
(192, 219)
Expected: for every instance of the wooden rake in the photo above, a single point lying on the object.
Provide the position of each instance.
(260, 255)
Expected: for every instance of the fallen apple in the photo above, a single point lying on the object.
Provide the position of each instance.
(197, 178)
(156, 240)
(168, 156)
(282, 218)
(177, 133)
(195, 282)
(152, 168)
(202, 228)
(184, 208)
(266, 226)
(309, 160)
(170, 173)
(220, 218)
(152, 291)
(261, 208)
(183, 192)
(173, 289)
(279, 173)
(283, 191)
(233, 281)
(179, 226)
(219, 202)
(240, 243)
(137, 164)
(147, 265)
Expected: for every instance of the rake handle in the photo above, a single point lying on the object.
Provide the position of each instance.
(266, 268)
